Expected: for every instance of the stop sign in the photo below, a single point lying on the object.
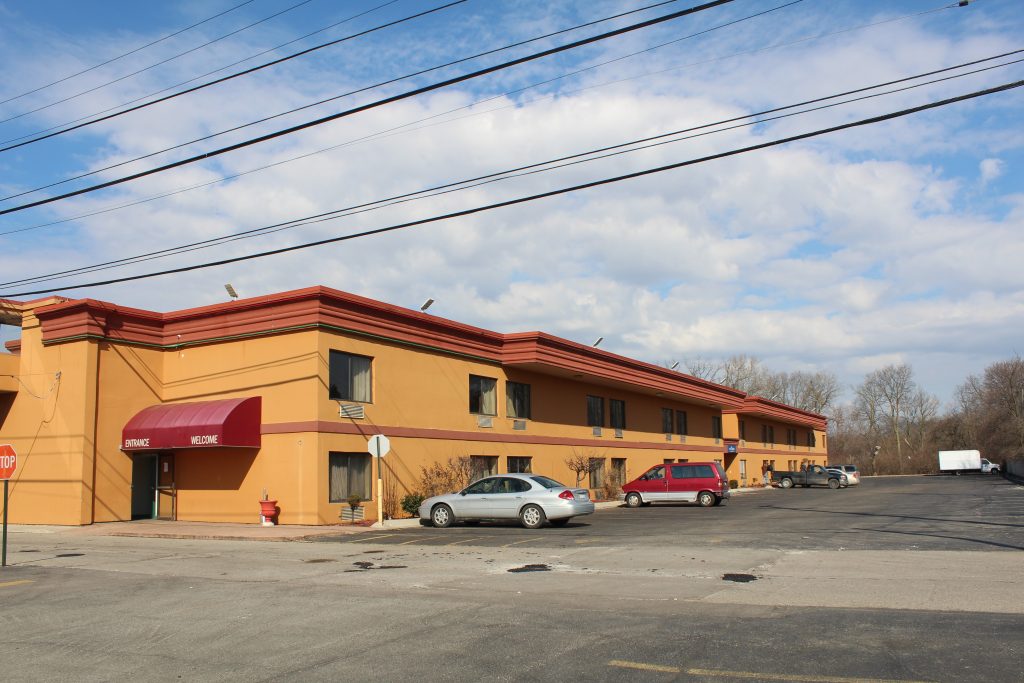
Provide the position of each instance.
(8, 461)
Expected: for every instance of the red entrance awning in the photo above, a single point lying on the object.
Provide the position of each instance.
(229, 422)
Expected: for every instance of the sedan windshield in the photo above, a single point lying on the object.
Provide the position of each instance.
(548, 483)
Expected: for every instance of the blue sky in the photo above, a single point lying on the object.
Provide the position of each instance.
(898, 242)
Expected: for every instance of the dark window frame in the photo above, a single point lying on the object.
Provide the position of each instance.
(595, 411)
(476, 396)
(617, 419)
(682, 423)
(716, 427)
(335, 360)
(366, 493)
(518, 400)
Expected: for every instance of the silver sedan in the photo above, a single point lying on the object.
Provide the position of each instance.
(531, 498)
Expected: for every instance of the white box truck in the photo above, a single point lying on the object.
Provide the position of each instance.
(965, 461)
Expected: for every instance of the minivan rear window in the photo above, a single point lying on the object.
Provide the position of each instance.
(692, 472)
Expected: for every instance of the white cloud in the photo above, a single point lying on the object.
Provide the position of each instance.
(991, 169)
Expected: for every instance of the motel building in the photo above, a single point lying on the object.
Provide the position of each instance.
(119, 413)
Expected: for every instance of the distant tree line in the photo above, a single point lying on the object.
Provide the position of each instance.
(892, 425)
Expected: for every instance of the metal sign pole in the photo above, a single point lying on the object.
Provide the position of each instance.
(380, 485)
(4, 562)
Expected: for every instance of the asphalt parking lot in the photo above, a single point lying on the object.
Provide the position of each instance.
(883, 513)
(900, 580)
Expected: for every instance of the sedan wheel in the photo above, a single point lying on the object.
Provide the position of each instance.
(705, 499)
(634, 500)
(442, 516)
(532, 517)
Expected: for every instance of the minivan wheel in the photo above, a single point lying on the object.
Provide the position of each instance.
(634, 500)
(442, 516)
(532, 517)
(705, 499)
(833, 483)
(786, 483)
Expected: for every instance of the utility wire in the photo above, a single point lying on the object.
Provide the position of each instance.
(305, 106)
(153, 66)
(245, 72)
(543, 195)
(395, 130)
(539, 167)
(195, 78)
(377, 103)
(130, 52)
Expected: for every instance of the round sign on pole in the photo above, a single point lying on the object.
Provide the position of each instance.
(8, 461)
(378, 445)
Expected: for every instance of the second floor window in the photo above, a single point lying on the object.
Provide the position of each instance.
(595, 411)
(681, 422)
(743, 430)
(767, 434)
(716, 427)
(617, 408)
(810, 439)
(483, 395)
(666, 420)
(350, 377)
(791, 437)
(517, 400)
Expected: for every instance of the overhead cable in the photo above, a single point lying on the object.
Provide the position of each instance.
(372, 105)
(153, 66)
(538, 167)
(398, 130)
(126, 54)
(543, 195)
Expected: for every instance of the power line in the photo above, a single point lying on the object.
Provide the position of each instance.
(372, 105)
(543, 195)
(125, 54)
(306, 106)
(393, 131)
(529, 169)
(68, 126)
(160, 63)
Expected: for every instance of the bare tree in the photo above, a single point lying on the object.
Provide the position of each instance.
(895, 385)
(702, 368)
(583, 463)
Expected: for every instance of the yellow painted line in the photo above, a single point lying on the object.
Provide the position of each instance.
(20, 582)
(528, 540)
(370, 538)
(716, 673)
(644, 667)
(467, 540)
(789, 677)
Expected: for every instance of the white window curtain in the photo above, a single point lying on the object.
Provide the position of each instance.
(361, 379)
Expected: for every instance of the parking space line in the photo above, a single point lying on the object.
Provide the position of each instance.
(19, 582)
(417, 540)
(798, 678)
(467, 540)
(622, 664)
(526, 540)
(370, 538)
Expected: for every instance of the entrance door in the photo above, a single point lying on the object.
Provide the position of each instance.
(166, 491)
(143, 486)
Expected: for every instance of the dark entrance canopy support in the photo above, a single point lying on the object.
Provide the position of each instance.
(233, 422)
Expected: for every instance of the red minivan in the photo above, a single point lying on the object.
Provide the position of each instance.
(703, 483)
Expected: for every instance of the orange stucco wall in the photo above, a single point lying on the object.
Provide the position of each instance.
(67, 429)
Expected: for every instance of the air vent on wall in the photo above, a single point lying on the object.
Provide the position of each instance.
(353, 411)
(597, 431)
(350, 515)
(618, 433)
(668, 437)
(482, 421)
(519, 425)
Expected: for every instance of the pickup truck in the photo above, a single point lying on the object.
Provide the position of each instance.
(815, 475)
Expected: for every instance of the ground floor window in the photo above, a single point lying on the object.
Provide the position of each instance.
(481, 466)
(618, 471)
(743, 470)
(349, 473)
(596, 473)
(521, 464)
